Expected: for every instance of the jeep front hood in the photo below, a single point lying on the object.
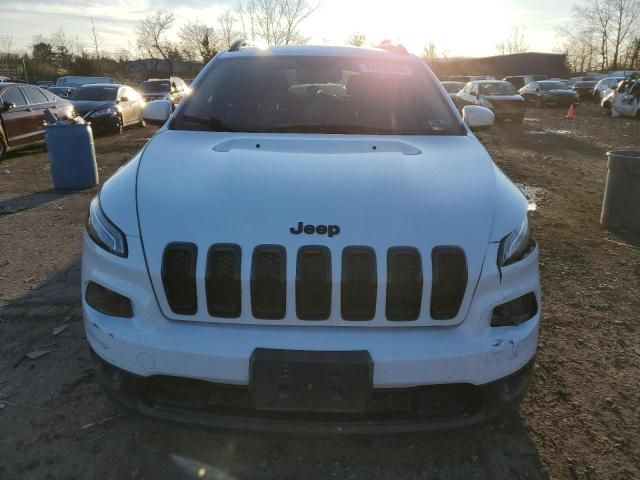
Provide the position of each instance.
(251, 189)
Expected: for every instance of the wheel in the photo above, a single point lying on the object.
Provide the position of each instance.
(119, 126)
(606, 107)
(3, 148)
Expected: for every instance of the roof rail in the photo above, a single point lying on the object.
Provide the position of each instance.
(238, 44)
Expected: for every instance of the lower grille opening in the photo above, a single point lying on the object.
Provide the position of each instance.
(179, 277)
(433, 402)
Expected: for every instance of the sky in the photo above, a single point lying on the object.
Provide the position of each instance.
(458, 27)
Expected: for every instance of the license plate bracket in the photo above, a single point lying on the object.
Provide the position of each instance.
(310, 381)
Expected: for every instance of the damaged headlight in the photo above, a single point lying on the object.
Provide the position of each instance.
(104, 232)
(516, 245)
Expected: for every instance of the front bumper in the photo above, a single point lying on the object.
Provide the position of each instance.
(228, 407)
(471, 358)
(105, 123)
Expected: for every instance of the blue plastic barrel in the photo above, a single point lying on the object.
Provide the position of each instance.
(71, 155)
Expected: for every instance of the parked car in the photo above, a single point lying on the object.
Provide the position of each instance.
(173, 89)
(573, 80)
(603, 85)
(459, 78)
(497, 95)
(584, 89)
(481, 77)
(109, 107)
(519, 81)
(626, 101)
(76, 80)
(62, 92)
(548, 92)
(306, 253)
(452, 88)
(22, 110)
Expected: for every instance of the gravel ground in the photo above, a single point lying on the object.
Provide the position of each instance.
(579, 421)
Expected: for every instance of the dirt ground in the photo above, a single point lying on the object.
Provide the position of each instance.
(579, 421)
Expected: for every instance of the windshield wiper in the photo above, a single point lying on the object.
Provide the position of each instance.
(340, 129)
(213, 124)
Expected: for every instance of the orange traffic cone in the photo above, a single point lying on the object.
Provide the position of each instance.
(571, 112)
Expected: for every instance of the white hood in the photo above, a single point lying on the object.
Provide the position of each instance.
(250, 189)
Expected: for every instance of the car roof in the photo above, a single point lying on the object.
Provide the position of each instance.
(490, 81)
(314, 50)
(101, 85)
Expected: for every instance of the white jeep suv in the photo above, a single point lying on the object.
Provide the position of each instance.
(313, 242)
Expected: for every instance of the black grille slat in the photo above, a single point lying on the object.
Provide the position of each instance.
(359, 283)
(449, 282)
(224, 295)
(313, 283)
(179, 277)
(268, 282)
(404, 283)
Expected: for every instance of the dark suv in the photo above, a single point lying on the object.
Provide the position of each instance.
(172, 88)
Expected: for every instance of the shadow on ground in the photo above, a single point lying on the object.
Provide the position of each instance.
(55, 441)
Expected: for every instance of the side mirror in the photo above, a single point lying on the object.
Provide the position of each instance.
(124, 99)
(477, 117)
(6, 106)
(157, 112)
(475, 94)
(537, 89)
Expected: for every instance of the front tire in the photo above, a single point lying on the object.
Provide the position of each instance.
(3, 148)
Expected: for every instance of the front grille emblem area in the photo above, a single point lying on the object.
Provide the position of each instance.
(329, 230)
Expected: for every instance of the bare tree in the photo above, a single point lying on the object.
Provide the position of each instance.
(277, 22)
(429, 52)
(596, 17)
(357, 39)
(7, 44)
(152, 36)
(198, 40)
(515, 43)
(95, 38)
(625, 15)
(227, 22)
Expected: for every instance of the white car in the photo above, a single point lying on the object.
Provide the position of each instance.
(626, 100)
(603, 85)
(313, 260)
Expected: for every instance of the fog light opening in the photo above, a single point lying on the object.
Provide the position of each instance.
(108, 302)
(515, 311)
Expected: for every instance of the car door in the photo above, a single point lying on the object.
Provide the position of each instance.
(38, 103)
(17, 121)
(136, 104)
(126, 105)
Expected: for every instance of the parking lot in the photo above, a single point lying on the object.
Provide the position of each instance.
(580, 419)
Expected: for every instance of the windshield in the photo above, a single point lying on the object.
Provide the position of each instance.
(95, 93)
(156, 86)
(318, 95)
(453, 87)
(502, 88)
(553, 86)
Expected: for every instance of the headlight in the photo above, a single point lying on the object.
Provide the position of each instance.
(516, 245)
(103, 232)
(104, 111)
